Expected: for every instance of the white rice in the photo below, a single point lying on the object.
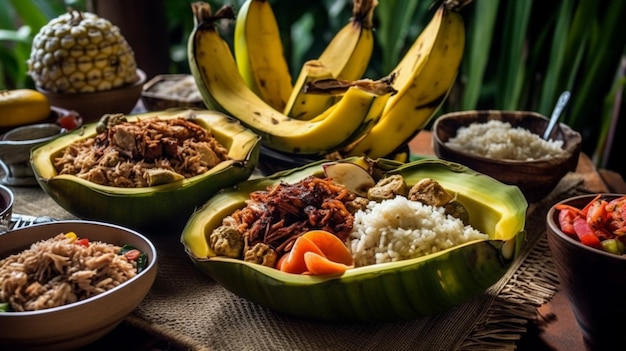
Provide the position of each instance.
(499, 140)
(400, 229)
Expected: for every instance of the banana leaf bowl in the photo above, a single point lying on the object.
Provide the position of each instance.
(168, 204)
(393, 291)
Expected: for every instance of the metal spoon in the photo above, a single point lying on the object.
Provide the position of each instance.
(556, 113)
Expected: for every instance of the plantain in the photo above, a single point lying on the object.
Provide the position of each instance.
(259, 53)
(222, 88)
(423, 79)
(346, 57)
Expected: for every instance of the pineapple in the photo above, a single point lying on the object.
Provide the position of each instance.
(80, 52)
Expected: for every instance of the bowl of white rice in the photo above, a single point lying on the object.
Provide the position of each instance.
(508, 146)
(66, 284)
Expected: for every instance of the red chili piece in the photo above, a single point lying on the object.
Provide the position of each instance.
(82, 242)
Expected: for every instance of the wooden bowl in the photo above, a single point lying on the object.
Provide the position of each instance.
(91, 106)
(591, 279)
(535, 178)
(155, 96)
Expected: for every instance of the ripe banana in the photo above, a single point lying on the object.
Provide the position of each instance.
(348, 53)
(213, 66)
(304, 106)
(424, 78)
(346, 57)
(259, 53)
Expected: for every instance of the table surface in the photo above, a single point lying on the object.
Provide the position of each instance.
(553, 329)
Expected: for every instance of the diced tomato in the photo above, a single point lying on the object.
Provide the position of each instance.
(82, 242)
(600, 221)
(68, 122)
(585, 233)
(133, 254)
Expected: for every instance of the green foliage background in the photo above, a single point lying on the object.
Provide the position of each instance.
(520, 55)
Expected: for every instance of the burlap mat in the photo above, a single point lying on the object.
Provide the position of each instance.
(193, 312)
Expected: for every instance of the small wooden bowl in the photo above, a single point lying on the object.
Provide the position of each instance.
(591, 279)
(91, 106)
(536, 178)
(155, 100)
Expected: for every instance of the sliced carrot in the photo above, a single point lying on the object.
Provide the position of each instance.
(320, 265)
(294, 262)
(331, 246)
(281, 260)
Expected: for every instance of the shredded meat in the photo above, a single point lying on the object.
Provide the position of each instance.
(120, 155)
(278, 215)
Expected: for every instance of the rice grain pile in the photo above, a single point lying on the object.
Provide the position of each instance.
(400, 229)
(500, 140)
(57, 271)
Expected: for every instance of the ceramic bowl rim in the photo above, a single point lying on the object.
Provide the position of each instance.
(554, 230)
(51, 126)
(5, 190)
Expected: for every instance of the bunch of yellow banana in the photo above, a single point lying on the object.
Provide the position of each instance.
(259, 53)
(222, 87)
(424, 77)
(346, 57)
(361, 120)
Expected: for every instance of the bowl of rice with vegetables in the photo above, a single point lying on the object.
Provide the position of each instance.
(360, 240)
(65, 284)
(508, 146)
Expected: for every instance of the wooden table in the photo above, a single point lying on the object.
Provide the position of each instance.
(555, 327)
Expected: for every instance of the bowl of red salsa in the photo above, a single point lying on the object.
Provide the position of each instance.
(586, 236)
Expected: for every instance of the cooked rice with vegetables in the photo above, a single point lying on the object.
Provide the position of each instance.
(147, 152)
(64, 269)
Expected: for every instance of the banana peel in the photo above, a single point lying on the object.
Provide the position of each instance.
(384, 292)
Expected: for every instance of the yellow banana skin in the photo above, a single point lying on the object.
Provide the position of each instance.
(259, 53)
(305, 106)
(348, 53)
(424, 78)
(346, 57)
(212, 64)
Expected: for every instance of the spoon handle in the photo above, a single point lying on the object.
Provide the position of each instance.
(560, 105)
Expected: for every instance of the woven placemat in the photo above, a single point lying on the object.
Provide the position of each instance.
(193, 312)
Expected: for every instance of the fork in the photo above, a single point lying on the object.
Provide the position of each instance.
(20, 220)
